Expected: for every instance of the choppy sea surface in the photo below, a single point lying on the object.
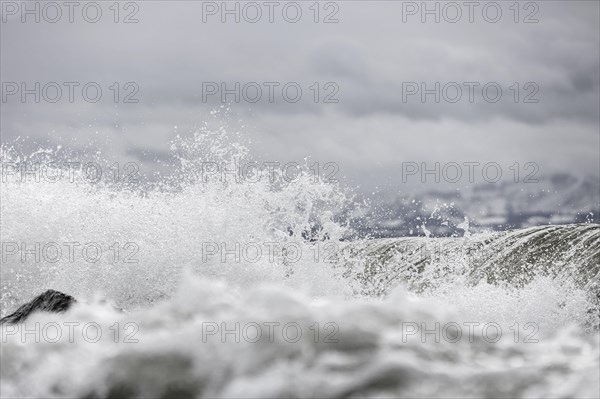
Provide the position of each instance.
(205, 287)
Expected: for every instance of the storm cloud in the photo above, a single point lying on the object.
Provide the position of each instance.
(357, 74)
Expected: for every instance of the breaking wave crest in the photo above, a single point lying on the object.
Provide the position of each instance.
(376, 317)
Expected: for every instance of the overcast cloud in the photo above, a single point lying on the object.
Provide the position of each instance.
(368, 55)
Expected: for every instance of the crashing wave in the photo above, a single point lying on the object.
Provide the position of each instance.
(562, 252)
(507, 314)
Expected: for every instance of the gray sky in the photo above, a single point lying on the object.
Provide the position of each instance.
(370, 55)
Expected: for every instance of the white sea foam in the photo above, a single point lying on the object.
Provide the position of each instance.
(387, 325)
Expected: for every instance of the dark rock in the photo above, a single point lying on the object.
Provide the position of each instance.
(49, 301)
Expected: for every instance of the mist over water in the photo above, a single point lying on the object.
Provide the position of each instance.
(193, 249)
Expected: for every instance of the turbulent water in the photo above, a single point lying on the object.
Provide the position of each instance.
(224, 288)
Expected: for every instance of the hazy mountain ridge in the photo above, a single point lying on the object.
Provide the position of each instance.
(560, 198)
